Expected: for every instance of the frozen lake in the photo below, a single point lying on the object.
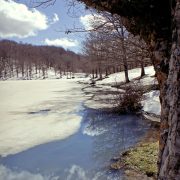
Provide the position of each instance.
(46, 133)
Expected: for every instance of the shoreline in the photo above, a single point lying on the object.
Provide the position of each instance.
(150, 138)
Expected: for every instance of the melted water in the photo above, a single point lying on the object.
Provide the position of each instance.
(85, 155)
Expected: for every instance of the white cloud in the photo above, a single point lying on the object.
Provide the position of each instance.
(88, 20)
(16, 20)
(55, 18)
(64, 42)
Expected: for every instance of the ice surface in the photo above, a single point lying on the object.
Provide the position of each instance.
(35, 112)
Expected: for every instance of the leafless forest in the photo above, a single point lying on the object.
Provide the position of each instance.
(108, 48)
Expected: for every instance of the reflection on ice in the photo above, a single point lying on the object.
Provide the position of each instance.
(7, 174)
(111, 133)
(93, 130)
(76, 172)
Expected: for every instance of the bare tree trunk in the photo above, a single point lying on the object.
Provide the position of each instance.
(46, 72)
(169, 156)
(60, 72)
(93, 73)
(109, 70)
(142, 69)
(117, 70)
(96, 73)
(22, 69)
(114, 69)
(5, 72)
(30, 72)
(12, 69)
(120, 69)
(43, 71)
(36, 67)
(27, 73)
(17, 72)
(106, 72)
(100, 73)
(124, 56)
(126, 73)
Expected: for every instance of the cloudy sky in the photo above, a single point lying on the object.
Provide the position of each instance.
(23, 22)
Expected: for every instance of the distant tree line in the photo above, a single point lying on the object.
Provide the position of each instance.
(25, 60)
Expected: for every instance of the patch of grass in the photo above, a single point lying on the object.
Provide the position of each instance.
(143, 158)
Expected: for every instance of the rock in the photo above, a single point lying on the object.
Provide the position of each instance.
(125, 153)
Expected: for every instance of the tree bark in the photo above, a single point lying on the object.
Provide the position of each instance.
(126, 72)
(169, 155)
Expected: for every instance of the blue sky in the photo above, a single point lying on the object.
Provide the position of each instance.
(40, 26)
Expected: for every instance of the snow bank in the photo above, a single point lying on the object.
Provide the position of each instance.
(36, 112)
(151, 104)
(116, 78)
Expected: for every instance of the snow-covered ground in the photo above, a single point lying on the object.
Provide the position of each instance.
(117, 78)
(150, 103)
(36, 112)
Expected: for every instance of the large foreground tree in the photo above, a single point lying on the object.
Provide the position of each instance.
(158, 23)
